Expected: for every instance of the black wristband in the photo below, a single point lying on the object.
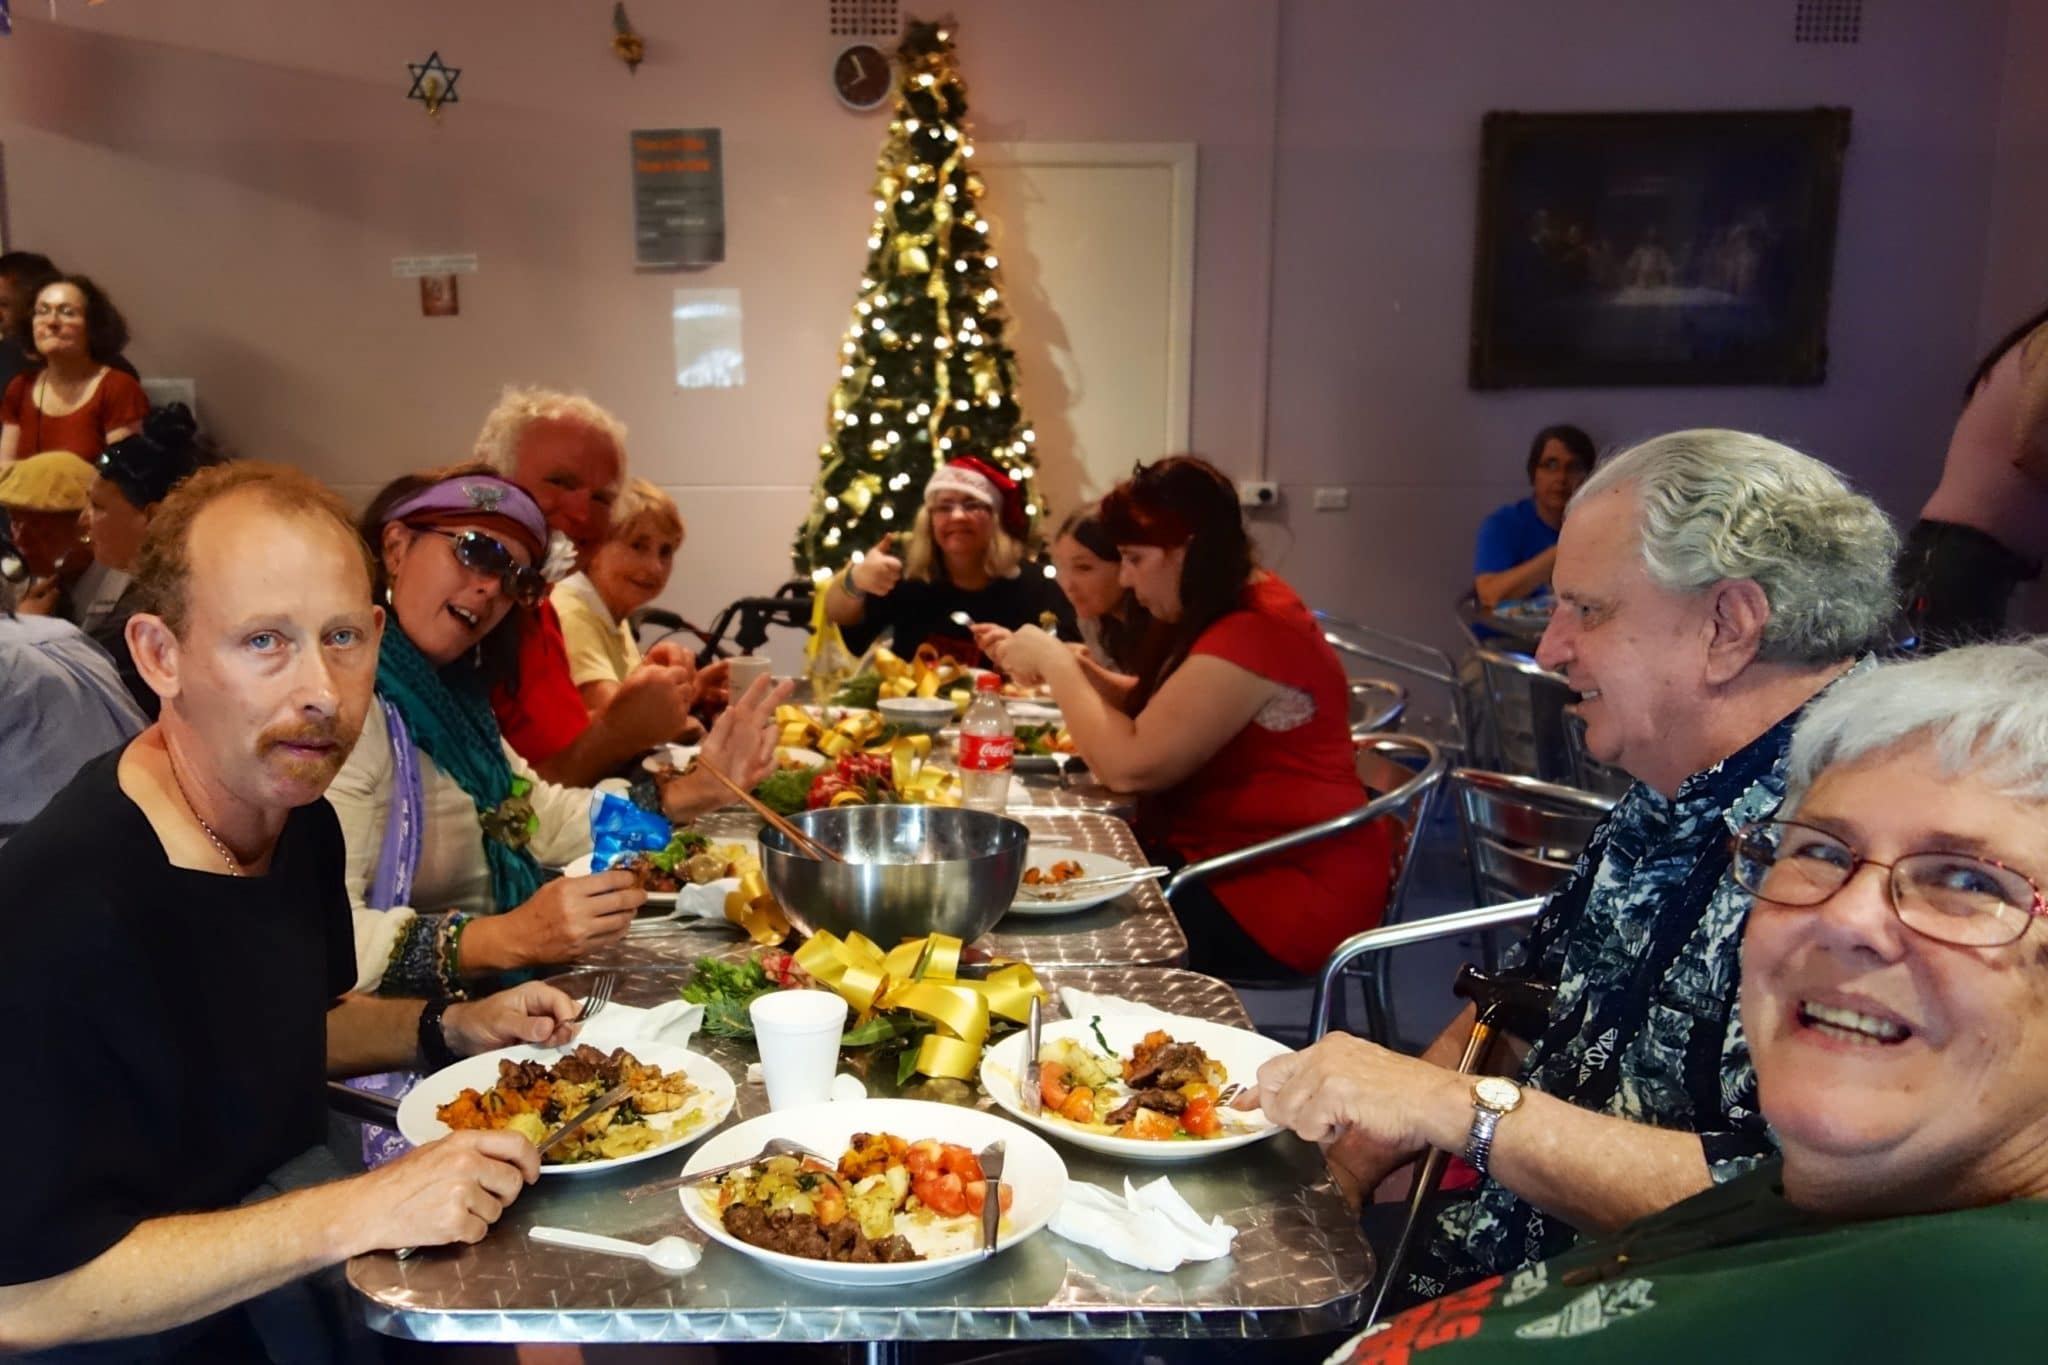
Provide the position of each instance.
(433, 1037)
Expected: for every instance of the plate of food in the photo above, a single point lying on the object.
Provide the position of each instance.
(1046, 870)
(1140, 1087)
(691, 859)
(897, 1200)
(677, 1095)
(1037, 743)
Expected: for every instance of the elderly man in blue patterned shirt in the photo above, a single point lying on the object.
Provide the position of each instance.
(1710, 584)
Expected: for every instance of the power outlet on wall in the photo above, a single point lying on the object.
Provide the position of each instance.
(1257, 493)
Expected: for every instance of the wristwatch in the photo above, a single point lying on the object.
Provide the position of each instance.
(1493, 1099)
(433, 1035)
(846, 586)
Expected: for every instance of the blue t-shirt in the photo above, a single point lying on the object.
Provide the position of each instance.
(1512, 535)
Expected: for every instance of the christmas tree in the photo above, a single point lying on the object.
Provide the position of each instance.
(925, 372)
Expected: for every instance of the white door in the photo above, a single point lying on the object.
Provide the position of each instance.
(1096, 251)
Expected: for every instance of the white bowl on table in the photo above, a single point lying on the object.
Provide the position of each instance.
(1031, 1168)
(920, 715)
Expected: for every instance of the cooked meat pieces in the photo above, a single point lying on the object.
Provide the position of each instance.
(798, 1234)
(1159, 1101)
(1170, 1068)
(520, 1075)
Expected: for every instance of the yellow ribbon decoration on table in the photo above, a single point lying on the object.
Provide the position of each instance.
(753, 907)
(869, 979)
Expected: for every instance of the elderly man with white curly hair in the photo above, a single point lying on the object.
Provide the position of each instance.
(1710, 584)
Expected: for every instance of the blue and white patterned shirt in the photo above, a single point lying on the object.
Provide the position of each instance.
(1643, 940)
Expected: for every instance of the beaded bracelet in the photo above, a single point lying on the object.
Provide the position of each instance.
(447, 958)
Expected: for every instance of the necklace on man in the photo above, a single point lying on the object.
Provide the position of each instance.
(235, 868)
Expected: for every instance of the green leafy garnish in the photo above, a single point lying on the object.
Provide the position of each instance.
(725, 989)
(1095, 1026)
(787, 791)
(862, 690)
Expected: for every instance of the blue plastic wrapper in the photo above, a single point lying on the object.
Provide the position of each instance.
(618, 829)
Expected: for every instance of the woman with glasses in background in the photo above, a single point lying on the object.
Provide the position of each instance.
(449, 832)
(74, 399)
(965, 558)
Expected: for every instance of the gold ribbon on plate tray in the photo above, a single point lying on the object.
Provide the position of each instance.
(922, 976)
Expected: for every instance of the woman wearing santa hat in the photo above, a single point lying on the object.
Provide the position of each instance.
(966, 555)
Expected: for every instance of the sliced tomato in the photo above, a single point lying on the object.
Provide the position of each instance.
(957, 1160)
(1200, 1118)
(977, 1195)
(922, 1158)
(945, 1195)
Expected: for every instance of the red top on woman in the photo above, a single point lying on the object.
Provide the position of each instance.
(1293, 766)
(115, 402)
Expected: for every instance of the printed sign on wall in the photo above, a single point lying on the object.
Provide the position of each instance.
(678, 197)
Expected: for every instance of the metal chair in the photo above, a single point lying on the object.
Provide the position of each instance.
(1588, 772)
(1523, 721)
(1376, 705)
(1521, 835)
(1400, 772)
(1415, 662)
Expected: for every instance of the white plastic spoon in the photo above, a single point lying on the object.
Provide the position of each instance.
(676, 1255)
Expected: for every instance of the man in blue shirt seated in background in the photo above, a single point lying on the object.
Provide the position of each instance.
(1518, 542)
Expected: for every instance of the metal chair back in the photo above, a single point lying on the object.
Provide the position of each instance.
(1376, 705)
(1524, 719)
(1415, 663)
(1588, 772)
(1376, 943)
(1521, 835)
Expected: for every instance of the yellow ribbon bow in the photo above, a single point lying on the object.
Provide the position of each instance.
(869, 980)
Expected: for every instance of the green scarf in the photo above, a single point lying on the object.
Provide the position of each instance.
(454, 726)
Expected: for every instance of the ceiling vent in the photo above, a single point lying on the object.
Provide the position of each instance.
(863, 18)
(1815, 21)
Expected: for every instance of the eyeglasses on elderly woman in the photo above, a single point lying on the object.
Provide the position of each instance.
(484, 554)
(1956, 898)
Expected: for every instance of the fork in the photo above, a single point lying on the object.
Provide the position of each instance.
(773, 1147)
(600, 996)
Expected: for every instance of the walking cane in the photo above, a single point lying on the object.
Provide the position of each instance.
(1506, 1003)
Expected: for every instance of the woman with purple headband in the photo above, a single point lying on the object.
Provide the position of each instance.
(448, 830)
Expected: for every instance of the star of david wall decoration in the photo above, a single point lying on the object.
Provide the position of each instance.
(433, 83)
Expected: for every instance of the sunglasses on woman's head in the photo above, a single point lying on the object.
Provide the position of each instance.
(484, 554)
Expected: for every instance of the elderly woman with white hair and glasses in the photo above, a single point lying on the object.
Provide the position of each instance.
(1895, 997)
(1710, 585)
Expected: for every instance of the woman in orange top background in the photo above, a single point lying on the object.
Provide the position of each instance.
(75, 399)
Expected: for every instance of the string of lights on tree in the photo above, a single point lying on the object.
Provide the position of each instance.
(925, 372)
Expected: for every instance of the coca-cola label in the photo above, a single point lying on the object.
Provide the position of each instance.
(987, 753)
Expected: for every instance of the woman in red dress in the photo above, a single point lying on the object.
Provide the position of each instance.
(1236, 731)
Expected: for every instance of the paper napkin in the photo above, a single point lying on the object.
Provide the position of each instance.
(1148, 1226)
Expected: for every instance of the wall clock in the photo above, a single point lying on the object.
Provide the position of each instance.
(861, 76)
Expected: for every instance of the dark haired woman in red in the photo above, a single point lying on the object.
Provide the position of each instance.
(1236, 732)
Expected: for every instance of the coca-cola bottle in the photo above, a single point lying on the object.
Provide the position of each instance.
(988, 748)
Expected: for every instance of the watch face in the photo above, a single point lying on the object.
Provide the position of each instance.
(1496, 1093)
(861, 76)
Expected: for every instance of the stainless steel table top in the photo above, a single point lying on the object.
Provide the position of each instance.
(1300, 1264)
(1136, 929)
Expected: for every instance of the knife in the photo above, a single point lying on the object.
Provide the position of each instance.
(991, 1197)
(604, 1101)
(1034, 1102)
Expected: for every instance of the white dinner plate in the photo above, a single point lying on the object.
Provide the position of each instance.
(417, 1124)
(1031, 1168)
(1092, 865)
(1241, 1051)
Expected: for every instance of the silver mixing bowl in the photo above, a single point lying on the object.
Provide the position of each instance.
(909, 871)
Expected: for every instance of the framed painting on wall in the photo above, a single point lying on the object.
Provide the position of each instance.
(1656, 248)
